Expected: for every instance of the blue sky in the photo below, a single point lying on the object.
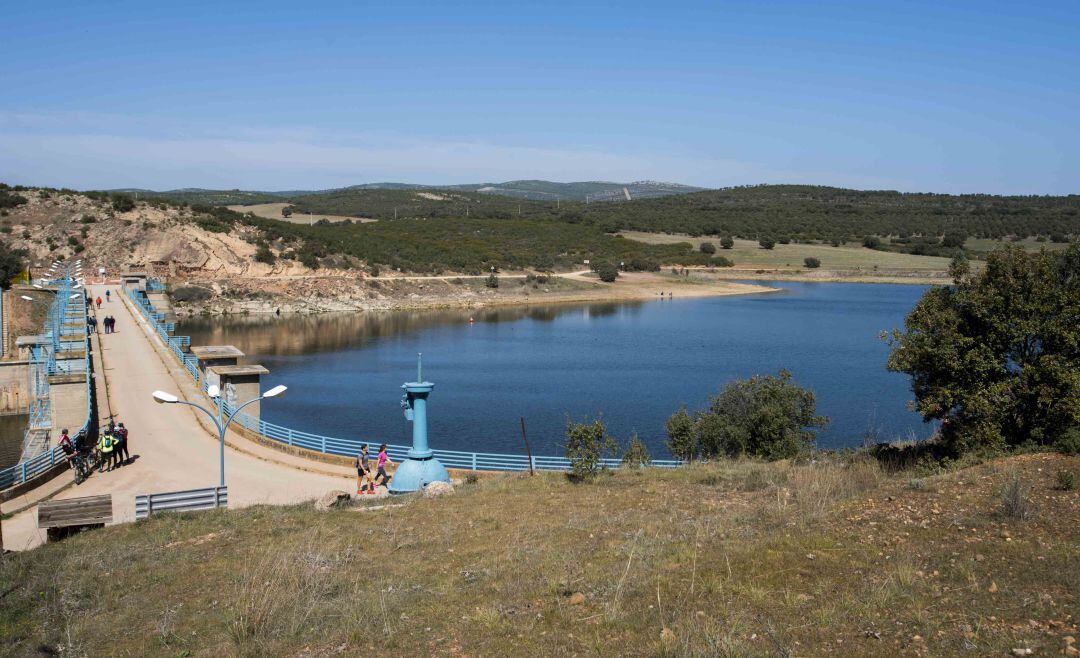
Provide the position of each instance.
(953, 97)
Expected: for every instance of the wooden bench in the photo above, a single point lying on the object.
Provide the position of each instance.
(61, 518)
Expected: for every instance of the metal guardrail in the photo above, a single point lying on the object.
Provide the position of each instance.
(43, 362)
(474, 461)
(192, 500)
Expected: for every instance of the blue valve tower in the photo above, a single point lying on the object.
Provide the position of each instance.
(421, 467)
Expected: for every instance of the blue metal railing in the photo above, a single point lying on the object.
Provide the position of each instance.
(474, 461)
(43, 361)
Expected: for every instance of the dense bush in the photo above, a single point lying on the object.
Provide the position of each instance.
(995, 356)
(586, 445)
(811, 262)
(12, 263)
(708, 248)
(682, 436)
(727, 242)
(767, 243)
(492, 281)
(264, 255)
(10, 200)
(765, 416)
(190, 294)
(122, 203)
(607, 272)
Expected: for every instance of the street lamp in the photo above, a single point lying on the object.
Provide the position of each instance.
(161, 397)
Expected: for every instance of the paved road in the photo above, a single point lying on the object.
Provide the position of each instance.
(174, 450)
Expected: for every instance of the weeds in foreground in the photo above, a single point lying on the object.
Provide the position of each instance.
(1066, 481)
(1015, 495)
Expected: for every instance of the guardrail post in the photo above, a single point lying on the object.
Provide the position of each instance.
(290, 437)
(24, 472)
(474, 461)
(323, 443)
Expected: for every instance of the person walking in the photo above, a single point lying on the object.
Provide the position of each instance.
(108, 295)
(383, 461)
(123, 456)
(91, 323)
(98, 300)
(363, 471)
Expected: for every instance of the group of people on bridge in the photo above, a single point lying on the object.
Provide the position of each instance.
(112, 446)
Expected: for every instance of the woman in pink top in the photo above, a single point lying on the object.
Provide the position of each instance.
(384, 459)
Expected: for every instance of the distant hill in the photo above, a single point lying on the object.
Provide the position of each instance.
(533, 190)
(819, 212)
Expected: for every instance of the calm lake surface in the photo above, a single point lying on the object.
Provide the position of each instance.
(635, 363)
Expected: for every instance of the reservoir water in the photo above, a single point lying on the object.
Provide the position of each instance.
(635, 363)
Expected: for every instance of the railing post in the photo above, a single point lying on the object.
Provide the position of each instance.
(290, 437)
(474, 461)
(24, 471)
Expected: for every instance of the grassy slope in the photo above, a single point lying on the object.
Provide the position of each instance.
(750, 253)
(732, 559)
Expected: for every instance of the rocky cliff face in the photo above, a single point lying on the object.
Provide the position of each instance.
(53, 224)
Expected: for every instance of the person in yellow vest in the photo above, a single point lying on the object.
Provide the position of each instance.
(105, 447)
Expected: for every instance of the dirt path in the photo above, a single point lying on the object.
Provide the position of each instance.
(172, 450)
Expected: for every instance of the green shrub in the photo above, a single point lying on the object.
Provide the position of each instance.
(636, 454)
(811, 262)
(997, 325)
(264, 255)
(764, 416)
(72, 241)
(12, 263)
(191, 294)
(708, 248)
(122, 203)
(9, 200)
(727, 242)
(88, 219)
(682, 439)
(471, 478)
(5, 229)
(1066, 481)
(607, 272)
(767, 243)
(492, 281)
(373, 270)
(586, 445)
(870, 242)
(721, 261)
(1069, 442)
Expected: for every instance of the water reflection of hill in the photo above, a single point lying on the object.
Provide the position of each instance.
(271, 335)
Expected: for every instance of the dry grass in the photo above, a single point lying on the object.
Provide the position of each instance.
(724, 559)
(273, 211)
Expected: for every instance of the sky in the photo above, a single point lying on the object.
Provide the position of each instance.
(915, 96)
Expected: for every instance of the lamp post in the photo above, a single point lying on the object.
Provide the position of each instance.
(222, 423)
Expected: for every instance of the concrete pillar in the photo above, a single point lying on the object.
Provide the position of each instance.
(134, 280)
(216, 355)
(238, 384)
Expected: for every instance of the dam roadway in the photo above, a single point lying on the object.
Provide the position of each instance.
(171, 447)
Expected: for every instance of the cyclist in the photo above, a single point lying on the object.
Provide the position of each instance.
(66, 445)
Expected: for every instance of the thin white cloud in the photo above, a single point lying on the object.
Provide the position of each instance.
(81, 151)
